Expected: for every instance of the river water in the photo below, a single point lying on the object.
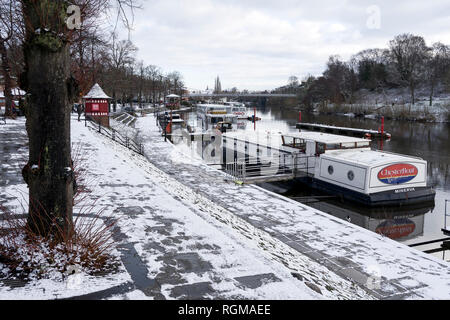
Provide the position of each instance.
(409, 225)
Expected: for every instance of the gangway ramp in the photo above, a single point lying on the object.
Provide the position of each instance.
(257, 170)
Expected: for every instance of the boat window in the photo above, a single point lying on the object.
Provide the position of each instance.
(333, 146)
(320, 148)
(330, 170)
(297, 143)
(351, 175)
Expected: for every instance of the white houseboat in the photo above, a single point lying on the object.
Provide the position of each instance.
(211, 115)
(340, 165)
(238, 109)
(210, 108)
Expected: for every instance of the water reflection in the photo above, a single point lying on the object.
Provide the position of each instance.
(398, 223)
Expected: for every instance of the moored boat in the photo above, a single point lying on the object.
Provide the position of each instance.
(346, 166)
(238, 109)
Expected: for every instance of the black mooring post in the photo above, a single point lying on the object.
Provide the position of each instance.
(165, 128)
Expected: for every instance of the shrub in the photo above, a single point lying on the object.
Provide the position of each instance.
(29, 256)
(89, 245)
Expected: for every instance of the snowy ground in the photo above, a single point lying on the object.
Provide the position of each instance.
(396, 103)
(185, 233)
(168, 249)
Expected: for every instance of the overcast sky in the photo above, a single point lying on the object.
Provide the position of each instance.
(258, 44)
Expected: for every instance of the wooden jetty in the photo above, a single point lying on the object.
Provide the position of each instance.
(353, 132)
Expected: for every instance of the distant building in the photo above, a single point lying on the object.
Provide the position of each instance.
(17, 94)
(96, 105)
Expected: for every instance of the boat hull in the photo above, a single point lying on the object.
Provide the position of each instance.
(398, 197)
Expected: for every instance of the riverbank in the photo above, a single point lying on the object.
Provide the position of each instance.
(185, 233)
(420, 111)
(167, 248)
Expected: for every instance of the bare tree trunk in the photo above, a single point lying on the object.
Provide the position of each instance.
(431, 93)
(115, 100)
(412, 88)
(7, 79)
(153, 93)
(50, 90)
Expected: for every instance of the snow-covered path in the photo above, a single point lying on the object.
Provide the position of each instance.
(167, 247)
(383, 267)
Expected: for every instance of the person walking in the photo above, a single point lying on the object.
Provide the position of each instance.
(79, 111)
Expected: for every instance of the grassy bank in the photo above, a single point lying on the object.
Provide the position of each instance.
(439, 112)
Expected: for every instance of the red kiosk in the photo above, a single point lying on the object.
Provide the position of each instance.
(173, 101)
(96, 105)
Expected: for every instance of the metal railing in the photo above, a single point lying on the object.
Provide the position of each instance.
(446, 214)
(260, 169)
(116, 136)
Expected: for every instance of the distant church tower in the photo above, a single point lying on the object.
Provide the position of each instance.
(217, 86)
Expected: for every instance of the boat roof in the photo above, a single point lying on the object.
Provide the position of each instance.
(325, 126)
(262, 137)
(326, 138)
(210, 105)
(228, 115)
(369, 157)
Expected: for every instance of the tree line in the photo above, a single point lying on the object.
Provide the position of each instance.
(96, 55)
(55, 65)
(407, 63)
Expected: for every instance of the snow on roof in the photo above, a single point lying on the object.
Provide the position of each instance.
(172, 96)
(340, 128)
(369, 157)
(96, 92)
(226, 115)
(212, 106)
(325, 137)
